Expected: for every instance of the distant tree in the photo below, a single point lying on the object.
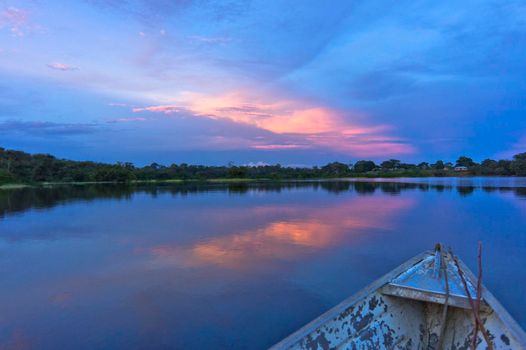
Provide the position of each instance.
(423, 165)
(335, 169)
(407, 166)
(155, 166)
(390, 164)
(237, 172)
(465, 161)
(363, 166)
(129, 165)
(439, 165)
(504, 167)
(489, 164)
(5, 177)
(518, 165)
(17, 166)
(487, 167)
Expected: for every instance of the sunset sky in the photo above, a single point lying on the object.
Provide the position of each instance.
(290, 82)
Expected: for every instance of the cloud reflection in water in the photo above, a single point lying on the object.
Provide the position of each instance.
(293, 233)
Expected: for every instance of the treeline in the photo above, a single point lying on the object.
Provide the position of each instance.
(21, 167)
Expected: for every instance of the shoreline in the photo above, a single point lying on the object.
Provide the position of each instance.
(13, 186)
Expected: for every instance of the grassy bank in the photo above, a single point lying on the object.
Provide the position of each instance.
(368, 175)
(13, 186)
(10, 186)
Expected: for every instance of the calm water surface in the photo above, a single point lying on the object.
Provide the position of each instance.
(234, 266)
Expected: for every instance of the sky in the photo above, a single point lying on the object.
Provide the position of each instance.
(254, 82)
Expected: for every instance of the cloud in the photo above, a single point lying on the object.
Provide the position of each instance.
(210, 39)
(127, 120)
(15, 20)
(154, 11)
(297, 125)
(278, 146)
(62, 66)
(257, 164)
(341, 77)
(40, 128)
(517, 147)
(166, 109)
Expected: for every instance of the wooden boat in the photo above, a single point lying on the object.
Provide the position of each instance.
(422, 304)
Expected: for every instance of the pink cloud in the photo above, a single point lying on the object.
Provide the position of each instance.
(299, 124)
(62, 66)
(277, 146)
(15, 20)
(166, 109)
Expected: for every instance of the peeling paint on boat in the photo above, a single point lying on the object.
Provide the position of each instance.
(403, 310)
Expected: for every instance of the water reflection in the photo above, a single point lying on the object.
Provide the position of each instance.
(198, 266)
(296, 233)
(19, 200)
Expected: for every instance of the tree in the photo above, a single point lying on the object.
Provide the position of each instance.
(237, 172)
(503, 167)
(390, 164)
(465, 161)
(423, 165)
(406, 166)
(5, 177)
(487, 167)
(518, 164)
(335, 169)
(439, 165)
(363, 166)
(489, 164)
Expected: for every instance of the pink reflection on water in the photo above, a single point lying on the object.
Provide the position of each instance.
(300, 231)
(19, 340)
(61, 299)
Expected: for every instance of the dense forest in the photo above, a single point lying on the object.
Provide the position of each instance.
(21, 167)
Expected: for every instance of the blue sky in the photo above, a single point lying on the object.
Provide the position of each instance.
(263, 81)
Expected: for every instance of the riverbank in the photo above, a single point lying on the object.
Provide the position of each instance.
(12, 186)
(415, 179)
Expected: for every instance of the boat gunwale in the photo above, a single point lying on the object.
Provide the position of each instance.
(348, 302)
(509, 322)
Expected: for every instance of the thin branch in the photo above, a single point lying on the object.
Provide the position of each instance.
(444, 310)
(479, 292)
(472, 304)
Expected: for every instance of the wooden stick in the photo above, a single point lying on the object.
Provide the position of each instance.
(444, 310)
(477, 302)
(472, 304)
